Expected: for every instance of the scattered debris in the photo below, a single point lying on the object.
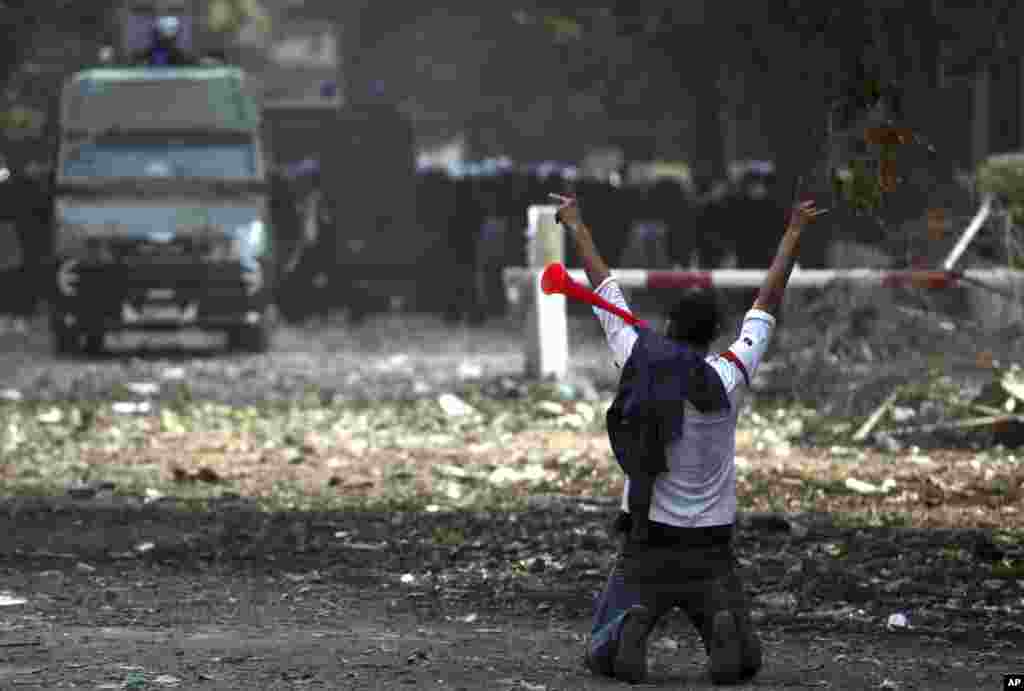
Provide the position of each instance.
(173, 374)
(765, 522)
(393, 363)
(146, 388)
(991, 421)
(132, 407)
(798, 530)
(201, 474)
(417, 656)
(887, 442)
(12, 395)
(453, 406)
(11, 600)
(505, 475)
(135, 681)
(449, 470)
(586, 411)
(469, 371)
(861, 487)
(902, 413)
(551, 408)
(1013, 382)
(367, 546)
(90, 490)
(898, 621)
(51, 417)
(777, 601)
(566, 391)
(876, 417)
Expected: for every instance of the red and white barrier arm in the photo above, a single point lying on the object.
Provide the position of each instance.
(517, 277)
(547, 342)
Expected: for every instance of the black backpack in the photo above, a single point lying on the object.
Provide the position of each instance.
(647, 413)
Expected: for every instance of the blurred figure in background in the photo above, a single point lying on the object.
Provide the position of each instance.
(493, 230)
(164, 49)
(682, 222)
(436, 215)
(652, 208)
(307, 267)
(284, 219)
(25, 240)
(756, 202)
(715, 239)
(656, 217)
(12, 252)
(462, 243)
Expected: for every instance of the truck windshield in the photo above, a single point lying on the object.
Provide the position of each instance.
(140, 220)
(128, 156)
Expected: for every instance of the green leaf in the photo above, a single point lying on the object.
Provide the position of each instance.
(564, 28)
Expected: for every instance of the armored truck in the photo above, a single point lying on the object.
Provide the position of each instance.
(161, 207)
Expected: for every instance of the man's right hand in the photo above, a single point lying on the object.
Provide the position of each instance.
(569, 216)
(568, 213)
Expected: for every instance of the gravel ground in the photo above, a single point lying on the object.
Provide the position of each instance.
(383, 358)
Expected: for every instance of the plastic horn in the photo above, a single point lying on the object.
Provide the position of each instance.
(556, 279)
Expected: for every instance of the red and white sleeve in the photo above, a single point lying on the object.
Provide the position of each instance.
(621, 336)
(745, 354)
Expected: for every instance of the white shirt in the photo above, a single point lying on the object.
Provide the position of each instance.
(699, 489)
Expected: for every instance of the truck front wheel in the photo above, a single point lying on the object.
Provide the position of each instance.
(66, 341)
(250, 339)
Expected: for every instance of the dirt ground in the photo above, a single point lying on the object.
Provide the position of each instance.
(116, 592)
(117, 595)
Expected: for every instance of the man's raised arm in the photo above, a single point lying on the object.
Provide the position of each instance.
(769, 299)
(621, 336)
(593, 263)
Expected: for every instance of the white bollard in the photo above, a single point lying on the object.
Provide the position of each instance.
(547, 329)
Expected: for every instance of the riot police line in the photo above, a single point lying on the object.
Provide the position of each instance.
(475, 217)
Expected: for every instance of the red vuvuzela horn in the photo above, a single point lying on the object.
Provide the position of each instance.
(556, 279)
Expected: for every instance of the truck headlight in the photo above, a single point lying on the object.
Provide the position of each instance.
(253, 237)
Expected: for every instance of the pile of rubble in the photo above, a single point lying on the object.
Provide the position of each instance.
(911, 374)
(937, 412)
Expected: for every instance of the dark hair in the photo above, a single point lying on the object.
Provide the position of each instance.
(695, 319)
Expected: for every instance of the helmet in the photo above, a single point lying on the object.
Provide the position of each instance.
(167, 26)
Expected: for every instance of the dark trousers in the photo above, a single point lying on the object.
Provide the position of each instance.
(697, 575)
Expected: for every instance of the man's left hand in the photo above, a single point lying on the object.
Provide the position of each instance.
(803, 213)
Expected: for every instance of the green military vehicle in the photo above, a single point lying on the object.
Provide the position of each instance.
(161, 207)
